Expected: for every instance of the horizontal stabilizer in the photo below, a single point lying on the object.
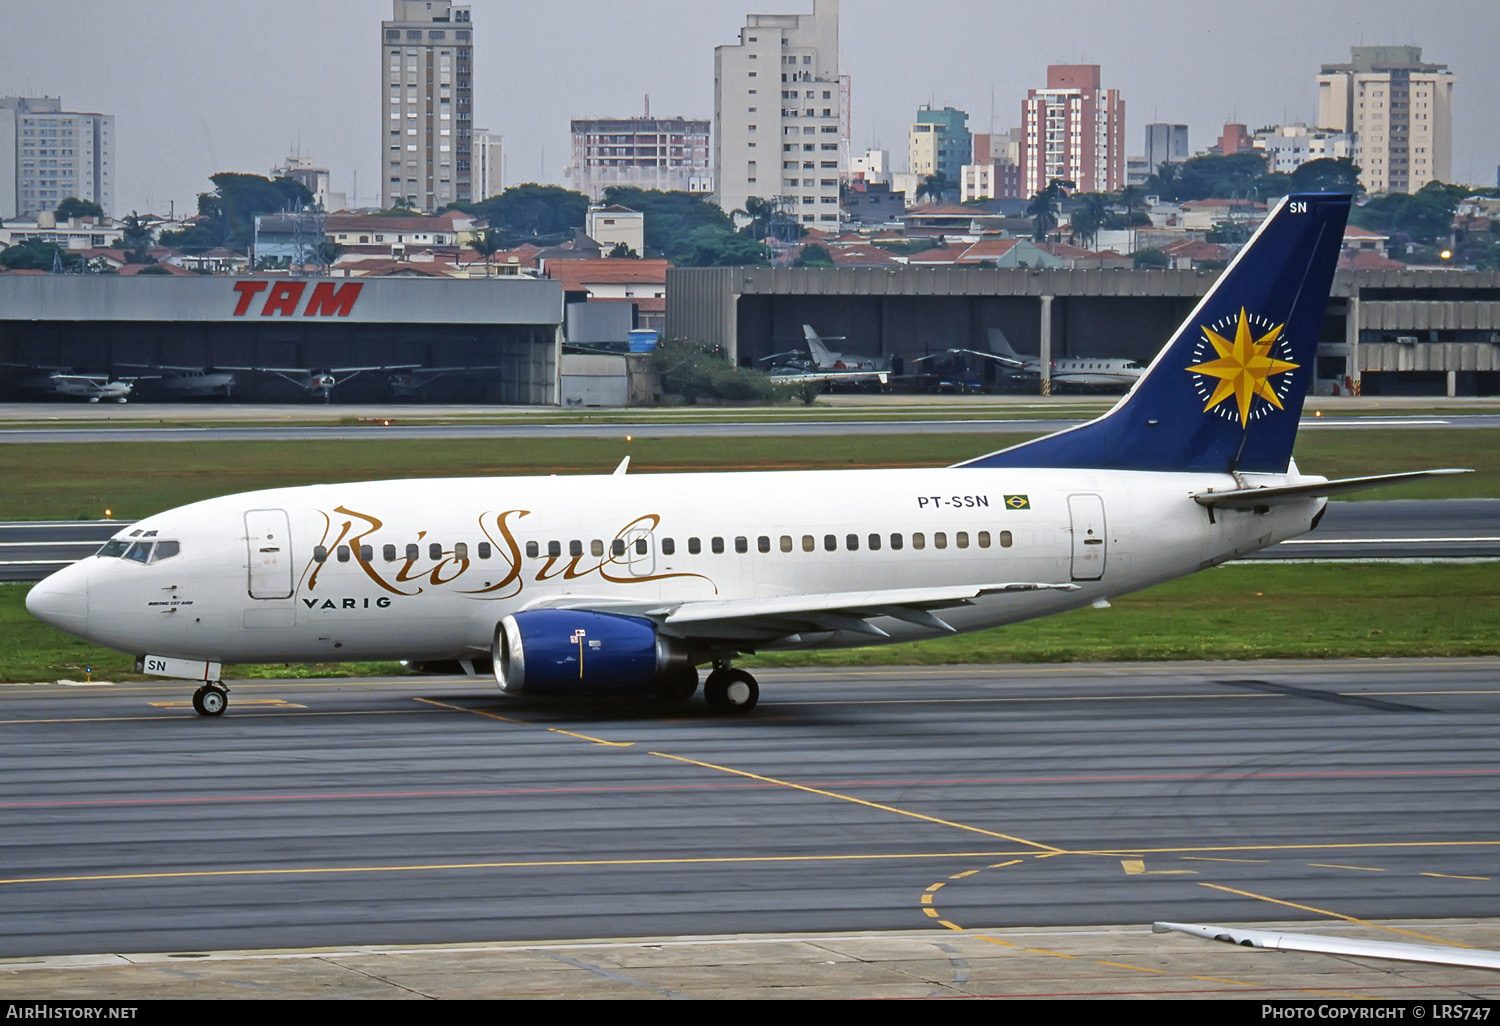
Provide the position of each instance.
(1256, 498)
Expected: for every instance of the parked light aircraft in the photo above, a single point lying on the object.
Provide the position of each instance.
(620, 584)
(1069, 372)
(319, 383)
(191, 382)
(92, 387)
(822, 364)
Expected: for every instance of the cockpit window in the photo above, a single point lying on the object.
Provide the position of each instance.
(114, 548)
(164, 550)
(140, 552)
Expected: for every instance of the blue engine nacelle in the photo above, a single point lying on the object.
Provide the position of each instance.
(562, 651)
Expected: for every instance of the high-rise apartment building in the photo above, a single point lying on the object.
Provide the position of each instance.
(777, 115)
(670, 154)
(1399, 111)
(1075, 131)
(48, 154)
(489, 164)
(940, 142)
(427, 56)
(1165, 144)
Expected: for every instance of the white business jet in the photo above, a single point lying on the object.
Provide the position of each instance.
(628, 583)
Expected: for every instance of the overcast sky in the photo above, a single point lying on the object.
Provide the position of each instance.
(199, 87)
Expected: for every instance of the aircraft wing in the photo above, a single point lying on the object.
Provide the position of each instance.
(764, 620)
(1006, 360)
(1276, 495)
(793, 379)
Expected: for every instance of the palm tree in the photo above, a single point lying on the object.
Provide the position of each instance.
(487, 243)
(1088, 217)
(934, 187)
(1046, 205)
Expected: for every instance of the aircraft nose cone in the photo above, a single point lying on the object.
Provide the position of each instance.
(62, 600)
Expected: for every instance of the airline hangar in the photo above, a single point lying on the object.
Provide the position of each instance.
(487, 341)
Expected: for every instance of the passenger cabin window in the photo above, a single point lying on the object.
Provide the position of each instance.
(575, 548)
(741, 544)
(874, 542)
(320, 553)
(851, 543)
(554, 549)
(786, 543)
(831, 542)
(984, 539)
(640, 546)
(617, 547)
(484, 550)
(596, 547)
(1005, 539)
(367, 553)
(461, 550)
(808, 544)
(435, 550)
(939, 540)
(763, 543)
(694, 546)
(918, 540)
(343, 551)
(389, 553)
(896, 541)
(717, 544)
(668, 546)
(532, 550)
(411, 552)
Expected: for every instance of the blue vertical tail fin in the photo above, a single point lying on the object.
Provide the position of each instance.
(1225, 394)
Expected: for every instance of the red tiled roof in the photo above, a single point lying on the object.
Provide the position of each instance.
(578, 275)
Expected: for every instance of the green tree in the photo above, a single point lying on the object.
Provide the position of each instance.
(620, 251)
(1045, 207)
(487, 243)
(1089, 216)
(1424, 218)
(760, 212)
(137, 239)
(532, 212)
(1328, 175)
(814, 255)
(226, 216)
(673, 217)
(31, 255)
(1147, 259)
(74, 207)
(934, 187)
(714, 246)
(1212, 176)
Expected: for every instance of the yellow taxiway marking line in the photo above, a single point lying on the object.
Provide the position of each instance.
(524, 723)
(1328, 846)
(1210, 858)
(1332, 915)
(860, 801)
(239, 703)
(245, 715)
(1454, 876)
(1335, 865)
(537, 864)
(1137, 867)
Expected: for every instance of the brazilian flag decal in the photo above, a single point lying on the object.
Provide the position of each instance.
(1017, 502)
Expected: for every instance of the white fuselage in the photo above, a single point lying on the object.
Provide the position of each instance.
(425, 569)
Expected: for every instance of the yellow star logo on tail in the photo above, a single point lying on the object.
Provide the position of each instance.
(1244, 368)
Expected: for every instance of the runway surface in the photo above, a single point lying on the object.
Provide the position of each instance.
(434, 810)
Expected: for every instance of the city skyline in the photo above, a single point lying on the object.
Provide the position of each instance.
(278, 76)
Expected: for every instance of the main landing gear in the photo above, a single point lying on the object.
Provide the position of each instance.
(211, 699)
(730, 691)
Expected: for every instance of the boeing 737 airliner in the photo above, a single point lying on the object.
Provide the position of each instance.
(620, 584)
